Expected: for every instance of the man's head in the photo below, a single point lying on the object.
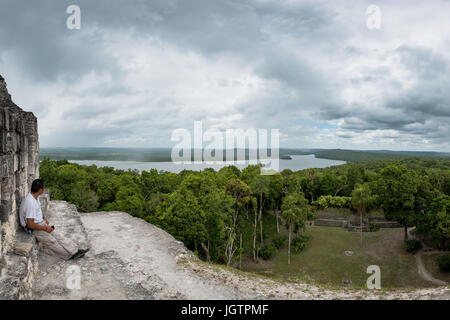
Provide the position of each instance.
(37, 187)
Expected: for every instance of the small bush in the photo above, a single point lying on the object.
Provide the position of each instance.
(279, 240)
(324, 202)
(413, 245)
(373, 226)
(443, 262)
(300, 243)
(267, 251)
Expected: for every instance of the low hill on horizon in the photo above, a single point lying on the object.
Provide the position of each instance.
(164, 154)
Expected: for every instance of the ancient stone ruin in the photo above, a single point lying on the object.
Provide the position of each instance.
(19, 166)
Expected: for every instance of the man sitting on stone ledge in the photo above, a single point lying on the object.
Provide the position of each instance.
(31, 218)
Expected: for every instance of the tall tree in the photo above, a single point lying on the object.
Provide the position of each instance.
(396, 188)
(294, 209)
(355, 174)
(260, 188)
(240, 192)
(293, 183)
(436, 221)
(361, 197)
(276, 185)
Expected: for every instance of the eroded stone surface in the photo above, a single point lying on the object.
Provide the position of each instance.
(129, 259)
(22, 248)
(19, 166)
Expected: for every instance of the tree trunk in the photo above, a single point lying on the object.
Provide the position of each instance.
(277, 216)
(230, 251)
(208, 257)
(360, 224)
(240, 253)
(406, 230)
(261, 228)
(236, 211)
(261, 203)
(289, 244)
(254, 236)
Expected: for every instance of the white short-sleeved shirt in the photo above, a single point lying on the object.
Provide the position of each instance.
(30, 208)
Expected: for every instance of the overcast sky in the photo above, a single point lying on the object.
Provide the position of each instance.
(137, 70)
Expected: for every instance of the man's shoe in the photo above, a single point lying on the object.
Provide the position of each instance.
(79, 254)
(85, 250)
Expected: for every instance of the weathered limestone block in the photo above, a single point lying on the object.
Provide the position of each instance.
(3, 133)
(5, 117)
(9, 142)
(3, 91)
(6, 165)
(7, 185)
(19, 268)
(7, 236)
(5, 209)
(44, 200)
(9, 288)
(15, 162)
(23, 161)
(19, 166)
(24, 144)
(22, 248)
(18, 279)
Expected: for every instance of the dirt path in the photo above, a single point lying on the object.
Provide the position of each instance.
(420, 266)
(423, 272)
(132, 259)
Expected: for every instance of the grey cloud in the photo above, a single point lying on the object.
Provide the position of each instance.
(84, 112)
(422, 110)
(299, 47)
(35, 35)
(83, 136)
(426, 63)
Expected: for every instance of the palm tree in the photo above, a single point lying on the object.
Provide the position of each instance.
(360, 201)
(294, 210)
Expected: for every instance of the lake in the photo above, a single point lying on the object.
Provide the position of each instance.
(297, 163)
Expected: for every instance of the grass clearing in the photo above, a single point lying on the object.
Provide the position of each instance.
(324, 262)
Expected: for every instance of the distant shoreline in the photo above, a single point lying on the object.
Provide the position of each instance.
(299, 162)
(164, 154)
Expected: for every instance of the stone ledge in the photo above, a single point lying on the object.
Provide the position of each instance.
(22, 248)
(330, 223)
(19, 267)
(387, 224)
(24, 243)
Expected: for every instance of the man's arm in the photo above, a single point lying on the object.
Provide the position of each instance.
(44, 218)
(35, 226)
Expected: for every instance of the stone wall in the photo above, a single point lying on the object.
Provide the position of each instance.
(333, 217)
(331, 223)
(19, 166)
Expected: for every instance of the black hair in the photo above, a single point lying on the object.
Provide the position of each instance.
(37, 185)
